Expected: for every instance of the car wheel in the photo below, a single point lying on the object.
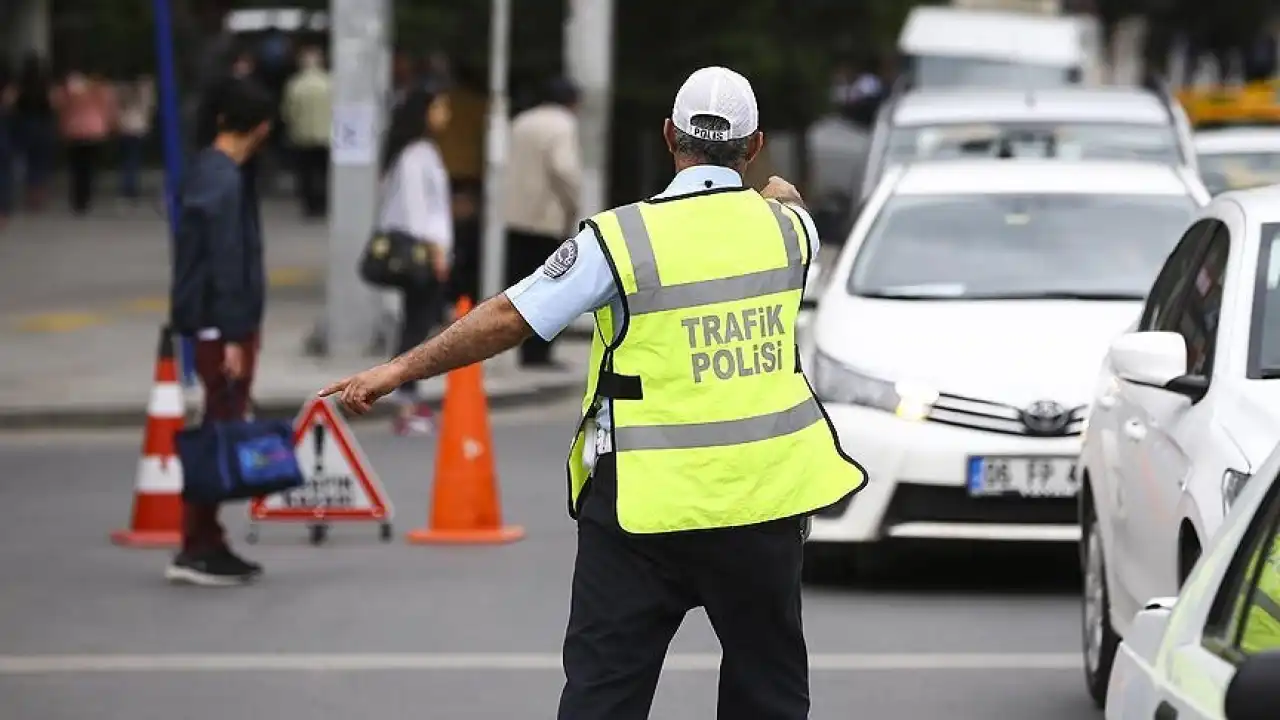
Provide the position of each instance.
(1100, 638)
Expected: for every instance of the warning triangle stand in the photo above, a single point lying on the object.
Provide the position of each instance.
(341, 485)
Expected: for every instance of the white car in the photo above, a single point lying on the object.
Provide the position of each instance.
(1112, 123)
(955, 46)
(1213, 653)
(1238, 158)
(955, 343)
(1186, 407)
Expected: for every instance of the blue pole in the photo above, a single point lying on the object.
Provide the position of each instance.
(171, 142)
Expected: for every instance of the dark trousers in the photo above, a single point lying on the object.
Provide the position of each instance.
(82, 163)
(526, 252)
(422, 313)
(223, 400)
(312, 167)
(131, 166)
(631, 593)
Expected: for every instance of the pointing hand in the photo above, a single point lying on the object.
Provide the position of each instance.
(359, 392)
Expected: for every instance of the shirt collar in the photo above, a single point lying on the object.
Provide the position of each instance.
(700, 178)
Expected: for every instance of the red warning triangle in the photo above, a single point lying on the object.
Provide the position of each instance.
(341, 483)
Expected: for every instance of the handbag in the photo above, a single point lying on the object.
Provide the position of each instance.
(227, 460)
(396, 260)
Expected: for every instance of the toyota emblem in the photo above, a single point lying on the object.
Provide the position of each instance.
(1045, 417)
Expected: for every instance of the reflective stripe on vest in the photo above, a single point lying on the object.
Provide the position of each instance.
(719, 434)
(1266, 603)
(652, 296)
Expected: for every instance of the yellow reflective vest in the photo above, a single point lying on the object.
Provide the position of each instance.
(714, 424)
(1262, 625)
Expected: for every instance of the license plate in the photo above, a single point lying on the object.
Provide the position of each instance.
(1024, 476)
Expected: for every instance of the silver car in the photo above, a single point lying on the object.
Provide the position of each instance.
(1114, 123)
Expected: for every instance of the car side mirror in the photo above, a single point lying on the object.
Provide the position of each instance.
(1158, 360)
(1254, 693)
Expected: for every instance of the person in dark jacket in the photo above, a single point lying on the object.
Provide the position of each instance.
(218, 296)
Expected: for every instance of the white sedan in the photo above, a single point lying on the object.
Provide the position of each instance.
(955, 343)
(1213, 653)
(1187, 406)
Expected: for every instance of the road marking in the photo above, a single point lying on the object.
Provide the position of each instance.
(293, 277)
(354, 662)
(147, 305)
(57, 322)
(69, 321)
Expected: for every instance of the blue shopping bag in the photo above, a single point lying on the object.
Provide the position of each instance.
(237, 460)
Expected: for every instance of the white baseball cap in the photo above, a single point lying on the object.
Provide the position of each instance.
(719, 92)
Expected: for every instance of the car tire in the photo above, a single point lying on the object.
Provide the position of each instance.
(1099, 638)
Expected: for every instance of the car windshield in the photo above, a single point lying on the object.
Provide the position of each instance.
(948, 71)
(1007, 246)
(1237, 171)
(1264, 336)
(1071, 140)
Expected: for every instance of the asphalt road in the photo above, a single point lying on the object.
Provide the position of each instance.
(357, 628)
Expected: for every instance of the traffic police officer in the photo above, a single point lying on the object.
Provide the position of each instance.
(701, 449)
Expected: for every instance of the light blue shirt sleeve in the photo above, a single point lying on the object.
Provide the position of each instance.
(550, 304)
(815, 243)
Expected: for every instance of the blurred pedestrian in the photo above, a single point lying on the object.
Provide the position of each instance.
(542, 183)
(405, 73)
(35, 129)
(307, 110)
(8, 94)
(86, 116)
(137, 106)
(239, 67)
(692, 472)
(416, 201)
(218, 296)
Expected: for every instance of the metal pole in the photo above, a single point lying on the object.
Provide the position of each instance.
(494, 251)
(171, 147)
(589, 58)
(359, 52)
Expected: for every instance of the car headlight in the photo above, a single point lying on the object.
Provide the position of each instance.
(837, 383)
(1233, 482)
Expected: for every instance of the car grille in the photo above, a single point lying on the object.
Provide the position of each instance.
(937, 503)
(997, 418)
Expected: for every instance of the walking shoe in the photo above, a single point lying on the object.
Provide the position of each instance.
(235, 561)
(218, 568)
(419, 421)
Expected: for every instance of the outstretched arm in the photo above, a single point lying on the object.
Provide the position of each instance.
(489, 329)
(575, 280)
(493, 327)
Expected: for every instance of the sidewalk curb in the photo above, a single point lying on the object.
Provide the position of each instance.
(119, 416)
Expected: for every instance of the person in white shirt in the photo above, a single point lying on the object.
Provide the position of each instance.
(416, 201)
(543, 179)
(137, 104)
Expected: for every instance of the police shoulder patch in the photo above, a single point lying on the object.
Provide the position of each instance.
(561, 260)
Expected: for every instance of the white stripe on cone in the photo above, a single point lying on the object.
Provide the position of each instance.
(166, 401)
(159, 475)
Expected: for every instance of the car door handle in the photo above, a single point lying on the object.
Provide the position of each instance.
(1134, 430)
(1166, 711)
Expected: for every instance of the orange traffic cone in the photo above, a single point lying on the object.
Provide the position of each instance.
(464, 506)
(157, 498)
